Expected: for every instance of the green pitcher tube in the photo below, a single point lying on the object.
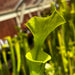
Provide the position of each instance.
(36, 67)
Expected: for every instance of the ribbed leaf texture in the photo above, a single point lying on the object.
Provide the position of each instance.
(41, 27)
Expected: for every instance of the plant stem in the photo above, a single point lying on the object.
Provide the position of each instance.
(5, 60)
(70, 68)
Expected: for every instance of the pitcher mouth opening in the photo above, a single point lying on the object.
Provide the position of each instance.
(42, 57)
